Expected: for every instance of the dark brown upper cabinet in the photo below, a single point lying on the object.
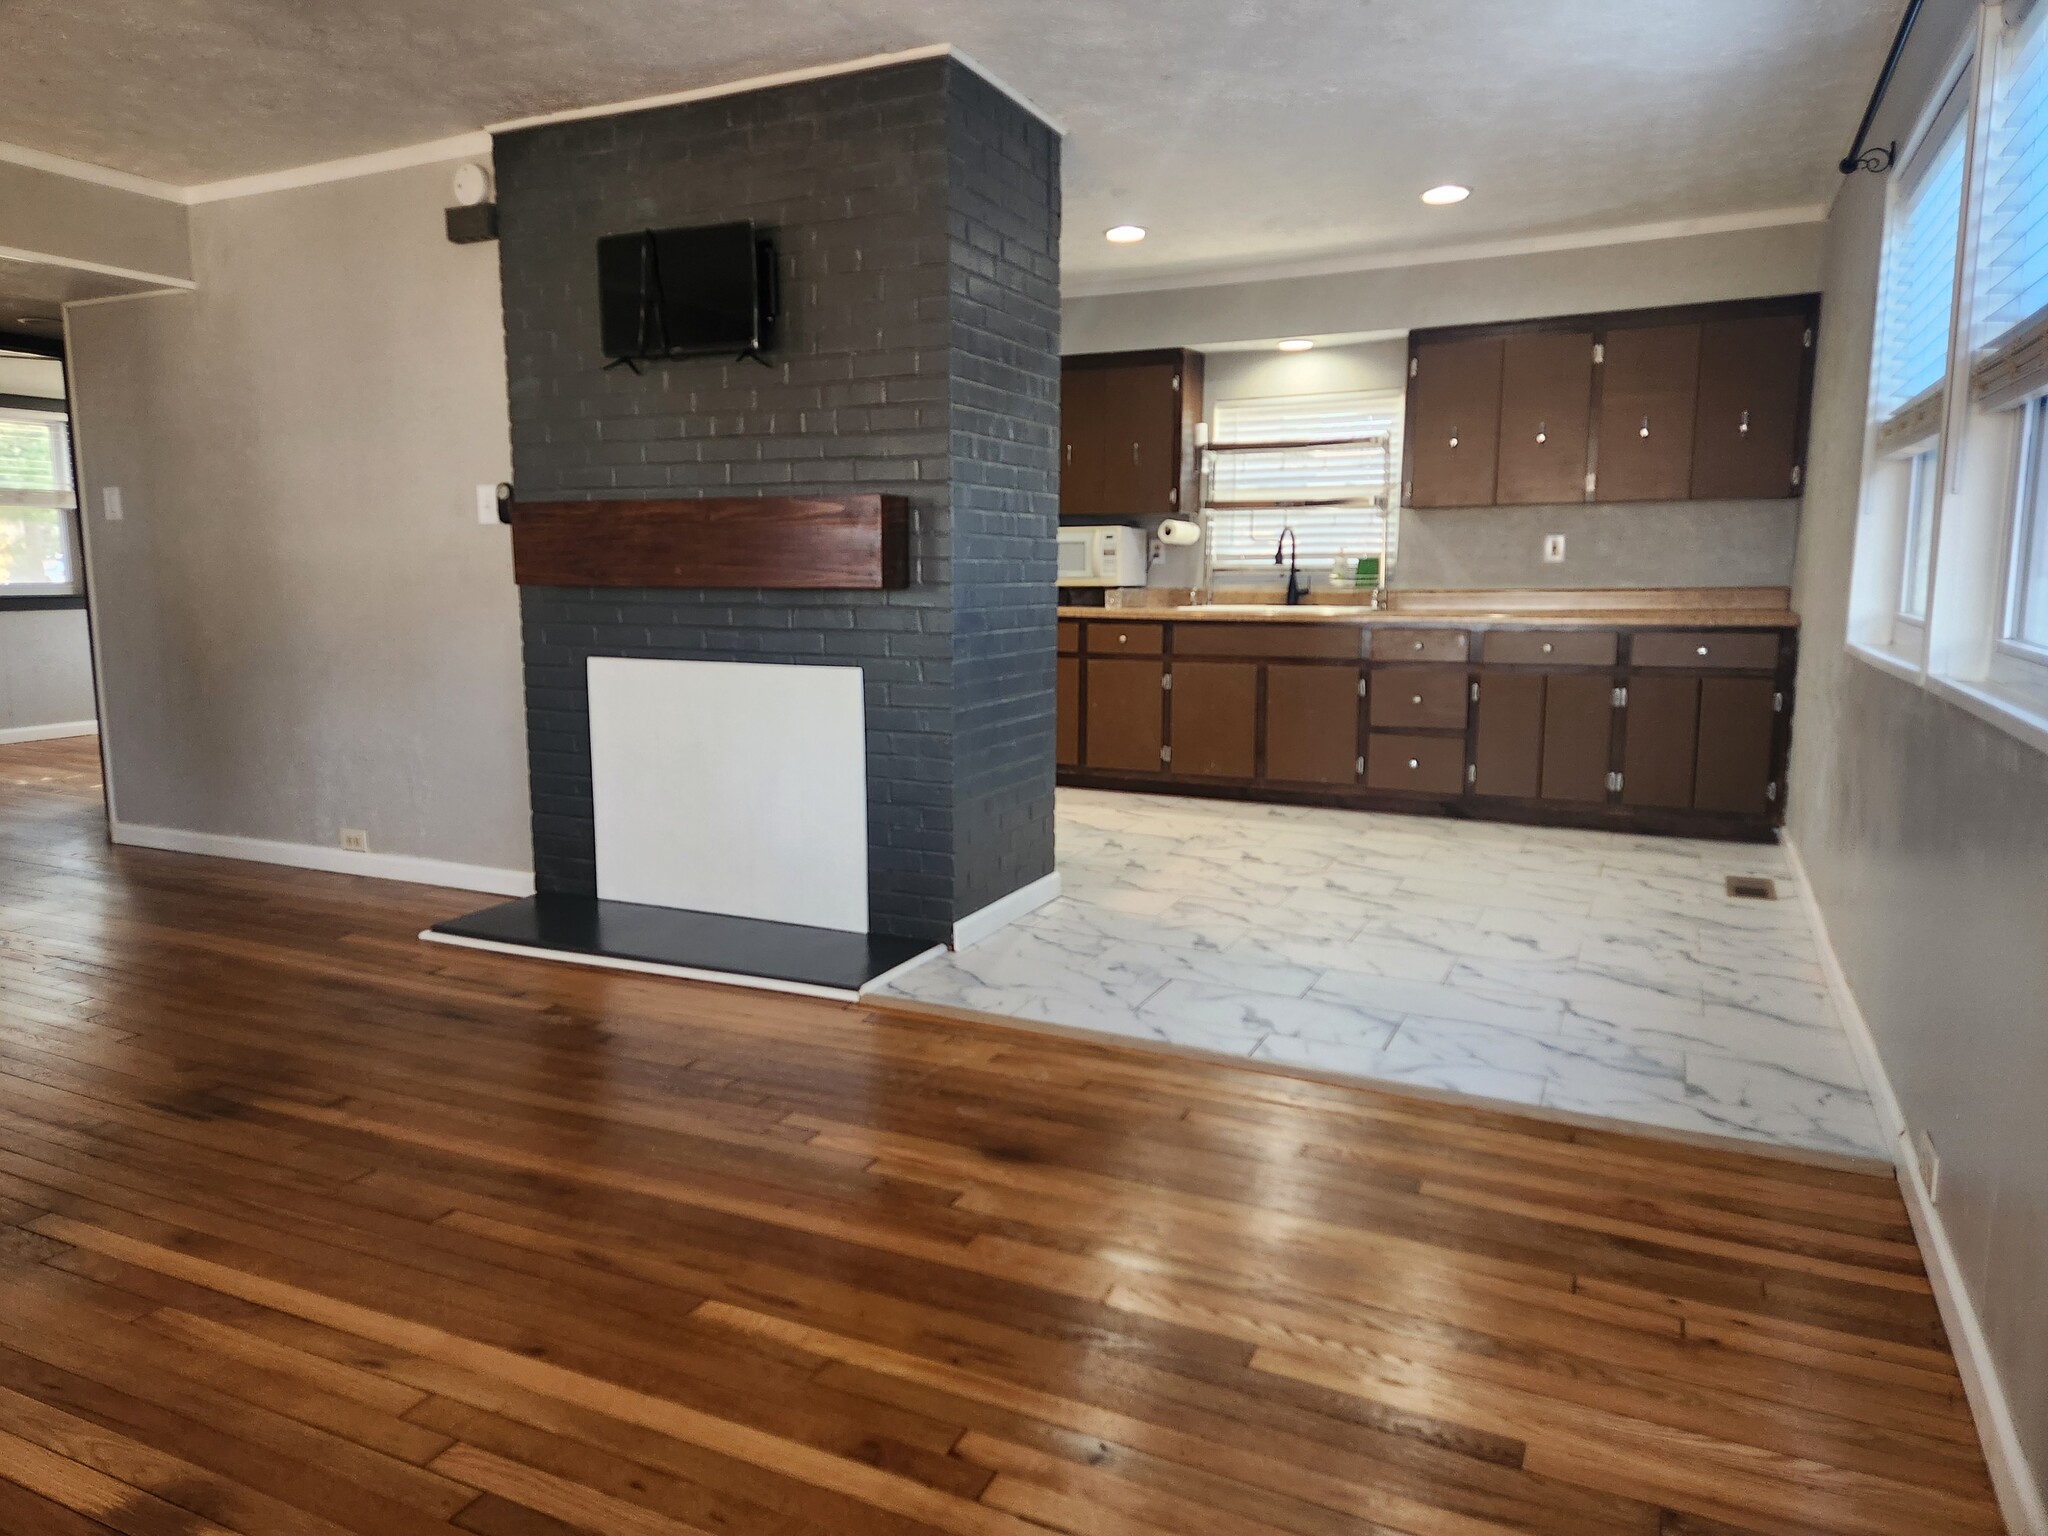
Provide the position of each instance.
(1454, 421)
(1649, 392)
(1127, 433)
(1752, 396)
(1702, 402)
(1546, 416)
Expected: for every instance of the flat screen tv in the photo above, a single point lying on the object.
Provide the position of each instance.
(686, 292)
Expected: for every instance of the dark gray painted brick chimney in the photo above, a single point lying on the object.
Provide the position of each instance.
(916, 211)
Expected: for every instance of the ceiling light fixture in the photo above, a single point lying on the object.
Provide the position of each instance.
(1296, 344)
(1444, 196)
(1124, 234)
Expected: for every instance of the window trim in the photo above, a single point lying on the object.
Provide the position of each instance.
(67, 505)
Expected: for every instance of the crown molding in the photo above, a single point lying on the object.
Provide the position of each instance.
(99, 268)
(82, 170)
(461, 146)
(1528, 245)
(477, 143)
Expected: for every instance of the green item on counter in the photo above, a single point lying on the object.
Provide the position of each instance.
(1368, 573)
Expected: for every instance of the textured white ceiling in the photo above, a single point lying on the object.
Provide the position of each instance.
(1239, 131)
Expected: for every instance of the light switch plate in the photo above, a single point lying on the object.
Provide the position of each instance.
(110, 502)
(1553, 549)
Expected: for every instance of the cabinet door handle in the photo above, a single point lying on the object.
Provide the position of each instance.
(1416, 700)
(1070, 453)
(1134, 449)
(1542, 432)
(1743, 430)
(1645, 429)
(1454, 437)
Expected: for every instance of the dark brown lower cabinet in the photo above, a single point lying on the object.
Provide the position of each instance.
(1126, 721)
(1738, 723)
(1531, 728)
(1661, 741)
(1578, 737)
(1067, 752)
(1509, 755)
(1312, 724)
(1544, 736)
(1215, 718)
(1427, 764)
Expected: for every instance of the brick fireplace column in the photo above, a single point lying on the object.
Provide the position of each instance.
(916, 213)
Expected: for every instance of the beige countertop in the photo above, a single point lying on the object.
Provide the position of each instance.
(1722, 608)
(1478, 618)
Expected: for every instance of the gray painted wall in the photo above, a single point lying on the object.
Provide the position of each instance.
(1925, 831)
(1744, 264)
(83, 221)
(45, 668)
(302, 625)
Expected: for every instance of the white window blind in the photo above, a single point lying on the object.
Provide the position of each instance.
(2013, 246)
(36, 498)
(1919, 272)
(1328, 448)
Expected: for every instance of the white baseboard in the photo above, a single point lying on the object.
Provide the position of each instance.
(2019, 1495)
(336, 861)
(62, 728)
(999, 914)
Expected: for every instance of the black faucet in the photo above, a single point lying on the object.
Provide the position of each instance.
(1289, 550)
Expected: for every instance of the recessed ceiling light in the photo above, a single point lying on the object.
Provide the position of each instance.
(1296, 344)
(1444, 196)
(1124, 234)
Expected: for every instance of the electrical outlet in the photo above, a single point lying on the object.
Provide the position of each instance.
(1553, 549)
(355, 840)
(1929, 1162)
(487, 504)
(110, 502)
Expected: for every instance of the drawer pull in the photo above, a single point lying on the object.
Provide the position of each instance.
(1123, 639)
(1416, 700)
(1418, 645)
(1414, 762)
(1548, 647)
(1703, 650)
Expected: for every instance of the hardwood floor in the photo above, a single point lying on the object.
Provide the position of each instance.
(306, 1227)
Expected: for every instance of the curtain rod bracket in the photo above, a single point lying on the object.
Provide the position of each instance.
(1859, 157)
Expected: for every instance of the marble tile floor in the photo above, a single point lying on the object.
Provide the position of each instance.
(1592, 972)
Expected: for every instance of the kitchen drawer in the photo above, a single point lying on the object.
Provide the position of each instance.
(1742, 650)
(1420, 645)
(1294, 642)
(1069, 637)
(1419, 698)
(1550, 648)
(1125, 639)
(1430, 764)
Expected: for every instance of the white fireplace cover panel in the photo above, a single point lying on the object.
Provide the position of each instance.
(731, 787)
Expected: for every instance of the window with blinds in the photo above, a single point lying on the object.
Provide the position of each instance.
(1324, 465)
(1918, 299)
(2013, 240)
(36, 501)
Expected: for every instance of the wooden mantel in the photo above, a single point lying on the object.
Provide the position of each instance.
(850, 543)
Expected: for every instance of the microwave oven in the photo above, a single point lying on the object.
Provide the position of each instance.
(1102, 557)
